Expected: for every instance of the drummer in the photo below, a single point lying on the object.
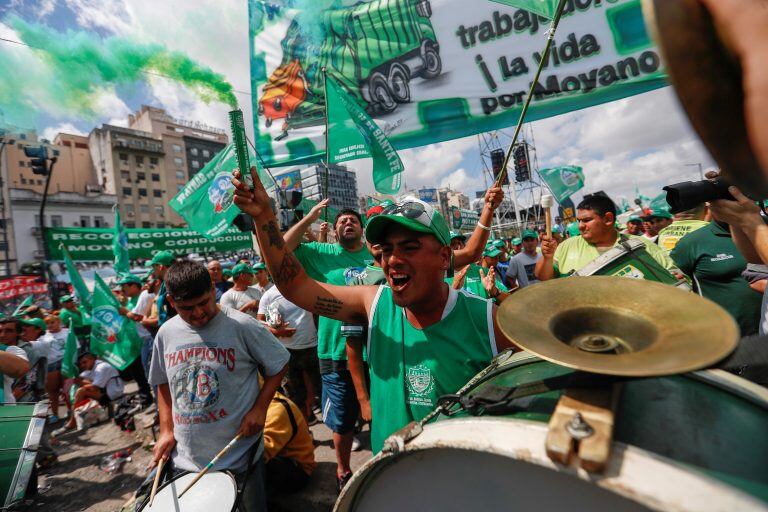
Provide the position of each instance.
(205, 362)
(596, 215)
(426, 339)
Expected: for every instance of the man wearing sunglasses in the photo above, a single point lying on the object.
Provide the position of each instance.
(426, 339)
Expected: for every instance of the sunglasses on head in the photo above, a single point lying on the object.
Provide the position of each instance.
(409, 209)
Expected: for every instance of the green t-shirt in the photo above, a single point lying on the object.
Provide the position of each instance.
(411, 368)
(77, 317)
(473, 282)
(670, 235)
(331, 264)
(575, 253)
(710, 257)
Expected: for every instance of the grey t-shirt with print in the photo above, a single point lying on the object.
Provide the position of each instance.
(212, 376)
(235, 299)
(529, 266)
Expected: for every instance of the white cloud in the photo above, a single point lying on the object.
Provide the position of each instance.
(461, 180)
(51, 131)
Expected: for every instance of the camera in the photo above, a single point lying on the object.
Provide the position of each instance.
(689, 194)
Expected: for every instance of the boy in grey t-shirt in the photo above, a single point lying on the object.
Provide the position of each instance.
(205, 363)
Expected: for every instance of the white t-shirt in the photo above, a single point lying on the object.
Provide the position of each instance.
(7, 380)
(143, 307)
(51, 345)
(263, 289)
(306, 334)
(104, 375)
(235, 299)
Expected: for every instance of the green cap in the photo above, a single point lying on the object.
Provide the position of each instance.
(499, 244)
(241, 268)
(413, 214)
(130, 279)
(456, 234)
(491, 252)
(659, 213)
(226, 273)
(66, 298)
(517, 241)
(634, 218)
(555, 228)
(573, 229)
(37, 322)
(259, 266)
(164, 258)
(529, 233)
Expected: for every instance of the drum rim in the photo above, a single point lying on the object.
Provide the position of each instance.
(31, 440)
(433, 437)
(179, 477)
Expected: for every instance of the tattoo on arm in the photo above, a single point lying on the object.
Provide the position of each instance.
(289, 269)
(327, 306)
(274, 235)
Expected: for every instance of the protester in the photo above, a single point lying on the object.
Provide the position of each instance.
(572, 230)
(14, 363)
(557, 233)
(217, 274)
(242, 296)
(31, 387)
(262, 282)
(227, 399)
(597, 216)
(654, 221)
(445, 335)
(74, 317)
(137, 307)
(684, 223)
(503, 263)
(160, 263)
(296, 330)
(52, 345)
(517, 245)
(634, 226)
(98, 381)
(527, 259)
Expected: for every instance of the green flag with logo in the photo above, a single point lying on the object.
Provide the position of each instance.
(563, 181)
(76, 280)
(352, 134)
(207, 201)
(69, 363)
(120, 247)
(113, 337)
(546, 8)
(23, 306)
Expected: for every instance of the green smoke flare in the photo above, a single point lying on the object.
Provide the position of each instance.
(80, 66)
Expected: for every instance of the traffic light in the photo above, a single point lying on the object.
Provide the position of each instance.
(38, 159)
(520, 155)
(497, 162)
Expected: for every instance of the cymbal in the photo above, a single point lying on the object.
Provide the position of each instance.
(618, 326)
(707, 80)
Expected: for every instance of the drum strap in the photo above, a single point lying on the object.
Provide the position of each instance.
(291, 418)
(492, 399)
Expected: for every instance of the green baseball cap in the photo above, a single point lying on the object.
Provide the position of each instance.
(37, 322)
(130, 279)
(259, 266)
(491, 252)
(164, 258)
(456, 234)
(517, 241)
(226, 273)
(241, 268)
(573, 229)
(634, 218)
(529, 233)
(659, 213)
(499, 244)
(555, 228)
(66, 298)
(414, 215)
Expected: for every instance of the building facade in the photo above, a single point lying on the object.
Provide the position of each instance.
(342, 185)
(448, 198)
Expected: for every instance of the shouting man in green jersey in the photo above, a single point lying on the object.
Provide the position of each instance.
(426, 339)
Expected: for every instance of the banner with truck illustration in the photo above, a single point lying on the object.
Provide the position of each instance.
(434, 70)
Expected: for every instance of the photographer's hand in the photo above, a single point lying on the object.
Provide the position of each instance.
(742, 213)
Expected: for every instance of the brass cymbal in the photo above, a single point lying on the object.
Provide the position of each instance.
(707, 80)
(618, 326)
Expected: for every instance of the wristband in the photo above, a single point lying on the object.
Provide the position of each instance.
(483, 226)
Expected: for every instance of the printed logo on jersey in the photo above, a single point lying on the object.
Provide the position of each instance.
(420, 385)
(196, 388)
(351, 273)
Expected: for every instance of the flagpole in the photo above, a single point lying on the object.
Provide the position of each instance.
(529, 97)
(327, 152)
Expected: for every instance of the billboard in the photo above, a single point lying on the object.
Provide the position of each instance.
(428, 195)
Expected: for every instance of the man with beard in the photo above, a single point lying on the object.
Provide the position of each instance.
(417, 323)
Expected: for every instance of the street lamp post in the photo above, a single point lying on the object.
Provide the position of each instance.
(4, 141)
(701, 169)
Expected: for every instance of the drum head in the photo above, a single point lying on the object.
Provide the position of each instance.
(214, 491)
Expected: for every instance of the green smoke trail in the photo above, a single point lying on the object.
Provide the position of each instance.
(80, 66)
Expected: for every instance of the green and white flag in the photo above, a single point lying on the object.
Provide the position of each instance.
(546, 8)
(563, 181)
(120, 247)
(69, 363)
(113, 337)
(23, 306)
(76, 280)
(207, 201)
(659, 203)
(352, 134)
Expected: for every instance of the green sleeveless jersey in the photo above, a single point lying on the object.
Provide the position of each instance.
(411, 368)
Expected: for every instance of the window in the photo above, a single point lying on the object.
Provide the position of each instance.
(39, 182)
(146, 224)
(141, 176)
(127, 191)
(144, 208)
(155, 177)
(193, 151)
(98, 222)
(139, 161)
(206, 153)
(160, 211)
(56, 221)
(176, 148)
(180, 175)
(23, 136)
(130, 224)
(195, 164)
(161, 225)
(85, 221)
(179, 187)
(20, 145)
(142, 192)
(178, 161)
(124, 157)
(157, 193)
(22, 163)
(126, 176)
(153, 160)
(129, 208)
(23, 180)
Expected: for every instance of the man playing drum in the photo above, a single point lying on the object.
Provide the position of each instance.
(596, 215)
(426, 339)
(205, 363)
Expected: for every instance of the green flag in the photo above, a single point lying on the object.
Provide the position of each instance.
(207, 201)
(24, 305)
(659, 203)
(69, 363)
(76, 280)
(120, 247)
(113, 337)
(546, 8)
(563, 181)
(352, 134)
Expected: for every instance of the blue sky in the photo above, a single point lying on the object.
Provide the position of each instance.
(645, 138)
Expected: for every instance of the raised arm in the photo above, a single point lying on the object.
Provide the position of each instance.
(294, 235)
(476, 243)
(545, 267)
(343, 303)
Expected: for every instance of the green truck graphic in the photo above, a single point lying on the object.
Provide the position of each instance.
(374, 49)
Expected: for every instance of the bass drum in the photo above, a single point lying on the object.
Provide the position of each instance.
(687, 442)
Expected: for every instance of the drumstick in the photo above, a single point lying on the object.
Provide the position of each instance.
(210, 464)
(157, 480)
(547, 202)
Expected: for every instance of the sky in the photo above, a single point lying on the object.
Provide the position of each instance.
(644, 139)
